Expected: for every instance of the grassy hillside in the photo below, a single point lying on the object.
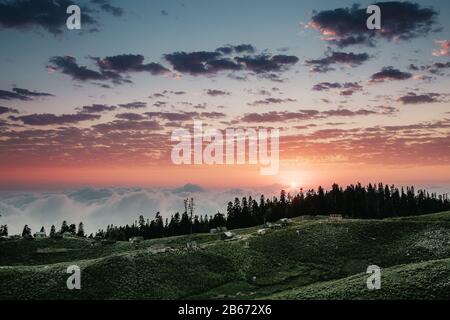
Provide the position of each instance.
(424, 280)
(313, 258)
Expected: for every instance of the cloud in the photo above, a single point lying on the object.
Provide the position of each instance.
(133, 105)
(444, 50)
(283, 116)
(110, 68)
(275, 116)
(346, 89)
(269, 101)
(265, 63)
(8, 95)
(46, 119)
(160, 104)
(193, 63)
(117, 68)
(22, 94)
(212, 62)
(390, 73)
(99, 207)
(164, 94)
(185, 116)
(416, 144)
(189, 188)
(336, 57)
(49, 15)
(128, 125)
(68, 65)
(435, 68)
(200, 106)
(99, 108)
(4, 110)
(107, 7)
(413, 98)
(400, 21)
(348, 113)
(215, 92)
(130, 116)
(242, 48)
(325, 86)
(29, 93)
(129, 63)
(96, 108)
(441, 65)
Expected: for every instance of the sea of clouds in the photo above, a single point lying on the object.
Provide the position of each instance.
(99, 207)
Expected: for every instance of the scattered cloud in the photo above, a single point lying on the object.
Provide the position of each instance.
(96, 108)
(107, 7)
(129, 63)
(110, 68)
(346, 89)
(185, 116)
(242, 48)
(68, 65)
(413, 98)
(215, 92)
(45, 14)
(265, 63)
(336, 57)
(4, 110)
(282, 116)
(389, 73)
(269, 101)
(47, 119)
(128, 125)
(400, 21)
(212, 62)
(444, 50)
(434, 68)
(130, 116)
(133, 105)
(195, 63)
(22, 94)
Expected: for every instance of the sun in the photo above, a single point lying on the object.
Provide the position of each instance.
(293, 184)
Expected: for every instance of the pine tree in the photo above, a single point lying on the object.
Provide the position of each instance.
(52, 231)
(73, 229)
(4, 231)
(80, 232)
(26, 232)
(64, 227)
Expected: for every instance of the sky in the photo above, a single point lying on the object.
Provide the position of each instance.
(96, 107)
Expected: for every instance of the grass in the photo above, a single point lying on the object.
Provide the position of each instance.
(313, 258)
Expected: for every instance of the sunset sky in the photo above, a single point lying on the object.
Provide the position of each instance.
(97, 107)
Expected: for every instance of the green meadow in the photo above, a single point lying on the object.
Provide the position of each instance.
(313, 258)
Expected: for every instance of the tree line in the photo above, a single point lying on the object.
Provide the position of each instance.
(65, 229)
(355, 201)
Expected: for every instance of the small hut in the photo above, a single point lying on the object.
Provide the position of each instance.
(40, 235)
(136, 239)
(227, 235)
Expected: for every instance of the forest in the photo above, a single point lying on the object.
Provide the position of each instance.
(355, 202)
